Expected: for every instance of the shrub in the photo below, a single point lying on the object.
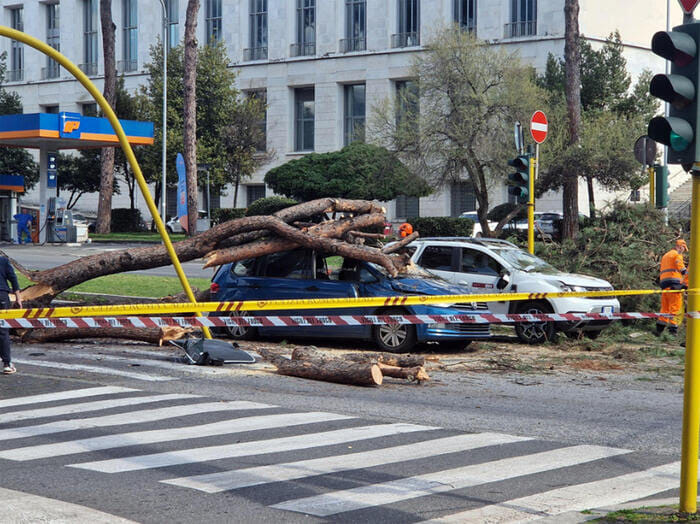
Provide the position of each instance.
(442, 226)
(125, 220)
(269, 205)
(224, 214)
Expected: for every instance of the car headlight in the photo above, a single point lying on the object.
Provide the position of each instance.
(570, 288)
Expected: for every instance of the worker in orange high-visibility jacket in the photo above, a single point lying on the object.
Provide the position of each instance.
(405, 229)
(673, 275)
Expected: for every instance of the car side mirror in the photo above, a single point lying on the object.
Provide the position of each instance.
(503, 281)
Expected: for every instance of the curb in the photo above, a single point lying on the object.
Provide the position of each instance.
(576, 517)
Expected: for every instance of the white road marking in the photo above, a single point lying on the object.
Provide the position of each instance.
(227, 480)
(133, 417)
(225, 427)
(244, 449)
(84, 407)
(62, 395)
(447, 480)
(579, 497)
(93, 369)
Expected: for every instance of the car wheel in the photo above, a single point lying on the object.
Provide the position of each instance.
(593, 334)
(394, 338)
(534, 332)
(169, 229)
(240, 332)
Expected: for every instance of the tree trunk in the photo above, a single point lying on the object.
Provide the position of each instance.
(389, 359)
(573, 104)
(417, 373)
(591, 197)
(235, 190)
(156, 336)
(104, 204)
(327, 370)
(190, 113)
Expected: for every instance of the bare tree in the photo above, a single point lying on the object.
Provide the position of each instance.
(572, 87)
(190, 113)
(104, 205)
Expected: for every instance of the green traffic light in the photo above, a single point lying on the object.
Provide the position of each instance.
(678, 143)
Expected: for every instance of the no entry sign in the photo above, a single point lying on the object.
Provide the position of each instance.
(688, 5)
(538, 126)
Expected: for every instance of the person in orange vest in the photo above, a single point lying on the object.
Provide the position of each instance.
(673, 275)
(405, 229)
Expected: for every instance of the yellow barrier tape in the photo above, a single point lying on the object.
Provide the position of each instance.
(313, 303)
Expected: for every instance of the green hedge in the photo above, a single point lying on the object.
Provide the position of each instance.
(269, 205)
(224, 214)
(442, 226)
(125, 220)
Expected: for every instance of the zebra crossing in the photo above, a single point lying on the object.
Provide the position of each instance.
(347, 466)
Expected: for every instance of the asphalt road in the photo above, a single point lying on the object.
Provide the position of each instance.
(472, 446)
(35, 256)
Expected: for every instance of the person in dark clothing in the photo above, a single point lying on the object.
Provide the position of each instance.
(8, 280)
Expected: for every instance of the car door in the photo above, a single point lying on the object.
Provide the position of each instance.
(480, 272)
(441, 260)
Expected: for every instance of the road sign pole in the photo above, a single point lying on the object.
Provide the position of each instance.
(652, 187)
(531, 209)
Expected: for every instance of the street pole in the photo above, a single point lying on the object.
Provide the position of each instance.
(208, 198)
(165, 108)
(531, 207)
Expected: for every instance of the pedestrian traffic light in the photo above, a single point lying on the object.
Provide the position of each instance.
(520, 180)
(679, 129)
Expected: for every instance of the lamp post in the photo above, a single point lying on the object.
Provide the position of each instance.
(205, 167)
(165, 107)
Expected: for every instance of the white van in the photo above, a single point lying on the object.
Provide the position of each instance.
(488, 265)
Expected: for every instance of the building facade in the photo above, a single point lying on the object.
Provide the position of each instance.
(320, 64)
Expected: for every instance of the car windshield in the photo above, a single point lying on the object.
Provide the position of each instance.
(524, 261)
(416, 272)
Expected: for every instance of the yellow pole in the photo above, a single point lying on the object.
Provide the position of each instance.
(531, 209)
(126, 147)
(691, 390)
(652, 187)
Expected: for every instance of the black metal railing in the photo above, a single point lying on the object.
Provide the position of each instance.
(308, 49)
(126, 66)
(405, 40)
(255, 53)
(51, 71)
(15, 75)
(517, 29)
(90, 69)
(348, 45)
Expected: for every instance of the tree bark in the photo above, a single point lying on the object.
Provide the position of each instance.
(591, 197)
(572, 87)
(190, 113)
(417, 373)
(104, 204)
(156, 336)
(389, 359)
(327, 370)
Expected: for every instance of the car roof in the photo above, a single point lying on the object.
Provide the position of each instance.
(486, 242)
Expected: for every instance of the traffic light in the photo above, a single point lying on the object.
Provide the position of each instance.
(520, 180)
(680, 88)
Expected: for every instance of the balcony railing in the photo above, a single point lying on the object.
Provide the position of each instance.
(126, 66)
(255, 53)
(90, 69)
(517, 29)
(51, 71)
(348, 45)
(405, 40)
(308, 49)
(15, 75)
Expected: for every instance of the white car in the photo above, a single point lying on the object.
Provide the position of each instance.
(173, 225)
(489, 265)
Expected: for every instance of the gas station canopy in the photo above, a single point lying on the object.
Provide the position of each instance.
(54, 131)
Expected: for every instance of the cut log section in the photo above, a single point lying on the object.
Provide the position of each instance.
(155, 336)
(417, 373)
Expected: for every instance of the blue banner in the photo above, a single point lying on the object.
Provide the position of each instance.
(181, 190)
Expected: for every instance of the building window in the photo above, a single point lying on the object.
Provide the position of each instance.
(408, 24)
(465, 14)
(258, 31)
(304, 118)
(261, 134)
(16, 72)
(52, 109)
(407, 102)
(130, 34)
(53, 39)
(355, 26)
(254, 192)
(89, 109)
(306, 29)
(462, 198)
(354, 113)
(523, 18)
(90, 22)
(407, 207)
(213, 21)
(173, 21)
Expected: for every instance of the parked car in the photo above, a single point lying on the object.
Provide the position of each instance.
(303, 273)
(79, 218)
(489, 265)
(173, 225)
(473, 216)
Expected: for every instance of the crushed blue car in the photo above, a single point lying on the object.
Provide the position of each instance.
(303, 273)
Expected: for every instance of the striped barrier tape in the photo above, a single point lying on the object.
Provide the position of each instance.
(313, 320)
(311, 303)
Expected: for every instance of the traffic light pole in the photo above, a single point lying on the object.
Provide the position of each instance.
(531, 208)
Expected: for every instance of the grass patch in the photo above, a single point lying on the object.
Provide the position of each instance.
(131, 285)
(145, 236)
(648, 514)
